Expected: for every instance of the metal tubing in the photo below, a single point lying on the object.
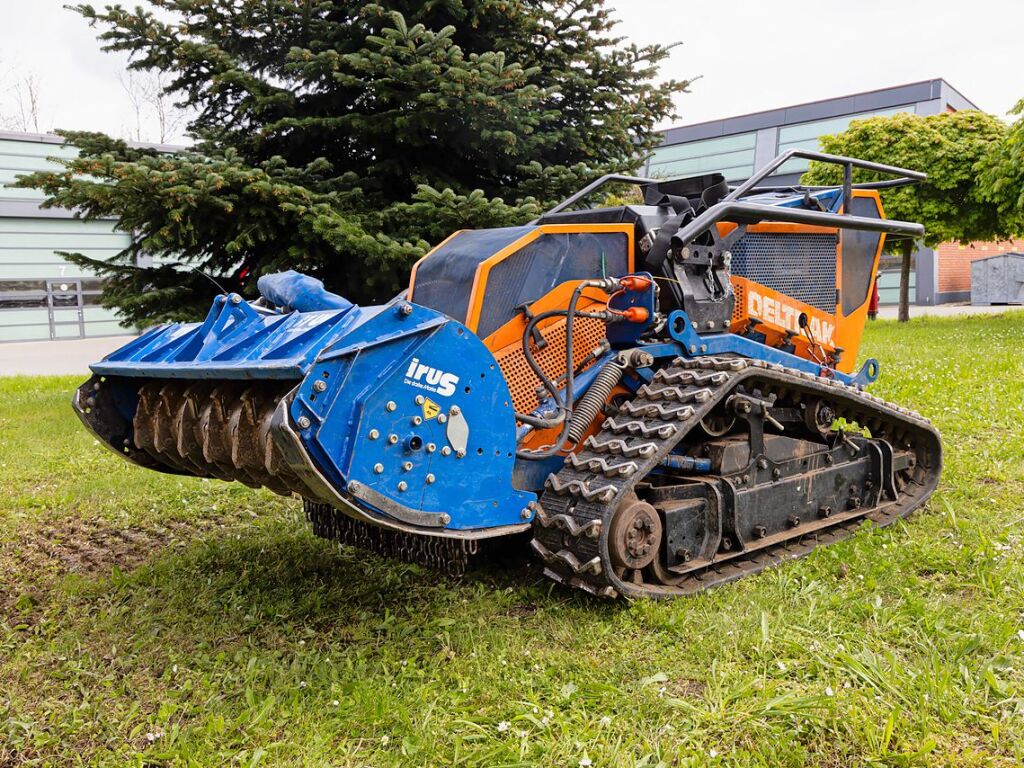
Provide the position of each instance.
(606, 179)
(847, 187)
(887, 184)
(820, 157)
(754, 212)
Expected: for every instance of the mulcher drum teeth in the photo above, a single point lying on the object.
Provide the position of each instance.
(584, 496)
(451, 556)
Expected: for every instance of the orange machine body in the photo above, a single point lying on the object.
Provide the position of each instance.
(505, 339)
(777, 316)
(830, 333)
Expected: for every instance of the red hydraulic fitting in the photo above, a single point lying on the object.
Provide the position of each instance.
(635, 283)
(635, 314)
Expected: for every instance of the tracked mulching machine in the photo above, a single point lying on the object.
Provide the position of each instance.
(661, 396)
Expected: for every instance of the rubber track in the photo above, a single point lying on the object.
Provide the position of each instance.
(570, 530)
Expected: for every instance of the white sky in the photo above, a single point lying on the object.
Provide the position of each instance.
(751, 54)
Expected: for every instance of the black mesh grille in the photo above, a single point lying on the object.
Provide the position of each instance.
(444, 279)
(551, 259)
(802, 266)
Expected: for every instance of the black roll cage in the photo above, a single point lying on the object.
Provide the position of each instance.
(731, 208)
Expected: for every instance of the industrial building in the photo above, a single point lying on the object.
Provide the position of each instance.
(42, 296)
(735, 146)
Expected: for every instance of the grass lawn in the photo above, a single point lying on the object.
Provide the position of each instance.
(152, 620)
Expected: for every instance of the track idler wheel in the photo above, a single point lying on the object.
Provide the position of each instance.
(819, 417)
(634, 537)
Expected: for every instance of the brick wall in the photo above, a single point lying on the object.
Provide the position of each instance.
(955, 261)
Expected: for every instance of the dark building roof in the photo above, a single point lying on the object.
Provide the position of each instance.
(868, 101)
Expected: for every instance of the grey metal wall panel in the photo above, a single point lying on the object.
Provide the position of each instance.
(882, 98)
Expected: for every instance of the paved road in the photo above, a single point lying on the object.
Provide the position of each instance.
(47, 358)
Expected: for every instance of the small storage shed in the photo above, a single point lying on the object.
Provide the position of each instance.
(998, 279)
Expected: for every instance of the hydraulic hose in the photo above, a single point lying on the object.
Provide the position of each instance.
(548, 384)
(564, 403)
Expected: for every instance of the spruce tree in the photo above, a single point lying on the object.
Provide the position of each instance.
(343, 139)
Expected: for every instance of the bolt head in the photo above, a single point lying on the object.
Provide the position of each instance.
(236, 299)
(303, 422)
(446, 518)
(455, 410)
(431, 447)
(430, 478)
(525, 513)
(419, 400)
(446, 451)
(405, 310)
(354, 486)
(374, 434)
(407, 466)
(441, 418)
(402, 486)
(319, 385)
(391, 405)
(392, 439)
(378, 468)
(417, 420)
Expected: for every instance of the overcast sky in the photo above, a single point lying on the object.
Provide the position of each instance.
(749, 54)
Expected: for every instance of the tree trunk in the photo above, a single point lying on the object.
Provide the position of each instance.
(908, 251)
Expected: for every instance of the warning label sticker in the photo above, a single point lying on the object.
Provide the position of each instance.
(430, 409)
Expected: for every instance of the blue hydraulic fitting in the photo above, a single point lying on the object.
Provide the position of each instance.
(687, 464)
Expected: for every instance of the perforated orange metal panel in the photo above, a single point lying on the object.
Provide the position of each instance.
(739, 311)
(523, 382)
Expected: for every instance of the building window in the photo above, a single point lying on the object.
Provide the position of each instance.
(805, 135)
(732, 156)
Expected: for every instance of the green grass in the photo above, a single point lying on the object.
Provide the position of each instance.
(153, 620)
